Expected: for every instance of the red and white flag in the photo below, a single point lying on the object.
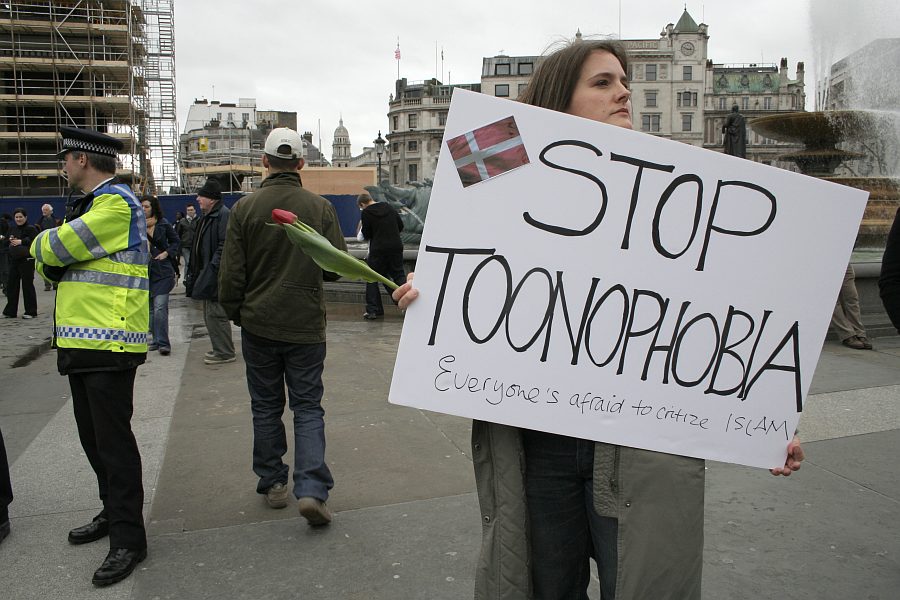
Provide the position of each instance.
(397, 53)
(488, 151)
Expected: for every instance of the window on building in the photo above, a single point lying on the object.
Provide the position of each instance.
(686, 99)
(413, 172)
(650, 72)
(767, 102)
(412, 146)
(218, 116)
(395, 147)
(231, 117)
(442, 118)
(678, 99)
(526, 68)
(650, 99)
(502, 90)
(723, 103)
(522, 87)
(245, 117)
(745, 102)
(649, 122)
(686, 121)
(413, 120)
(396, 123)
(212, 145)
(501, 69)
(687, 72)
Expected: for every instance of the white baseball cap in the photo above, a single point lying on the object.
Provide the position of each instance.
(284, 137)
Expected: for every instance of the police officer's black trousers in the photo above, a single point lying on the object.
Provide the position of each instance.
(103, 403)
(6, 495)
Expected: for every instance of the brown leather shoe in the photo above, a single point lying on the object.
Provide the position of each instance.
(854, 342)
(866, 343)
(314, 510)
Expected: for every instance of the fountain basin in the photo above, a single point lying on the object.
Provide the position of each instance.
(824, 129)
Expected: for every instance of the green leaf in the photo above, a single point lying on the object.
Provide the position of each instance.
(330, 258)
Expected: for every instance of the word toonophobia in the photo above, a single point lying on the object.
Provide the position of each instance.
(735, 336)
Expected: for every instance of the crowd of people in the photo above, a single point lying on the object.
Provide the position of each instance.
(552, 503)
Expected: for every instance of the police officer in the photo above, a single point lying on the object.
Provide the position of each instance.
(99, 258)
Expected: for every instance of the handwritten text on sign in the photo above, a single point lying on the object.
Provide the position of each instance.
(611, 285)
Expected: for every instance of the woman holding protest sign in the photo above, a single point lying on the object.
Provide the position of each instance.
(549, 503)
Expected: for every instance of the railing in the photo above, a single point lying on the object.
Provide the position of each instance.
(83, 12)
(28, 162)
(65, 50)
(43, 84)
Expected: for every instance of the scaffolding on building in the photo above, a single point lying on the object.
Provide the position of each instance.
(106, 65)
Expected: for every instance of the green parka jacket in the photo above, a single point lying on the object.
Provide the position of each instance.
(266, 284)
(657, 499)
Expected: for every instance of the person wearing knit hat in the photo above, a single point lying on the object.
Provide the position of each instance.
(202, 279)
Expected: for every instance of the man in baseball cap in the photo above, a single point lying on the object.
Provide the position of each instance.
(275, 293)
(284, 143)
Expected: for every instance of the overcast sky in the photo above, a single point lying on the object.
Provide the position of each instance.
(327, 58)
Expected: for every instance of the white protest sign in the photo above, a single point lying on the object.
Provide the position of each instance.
(620, 287)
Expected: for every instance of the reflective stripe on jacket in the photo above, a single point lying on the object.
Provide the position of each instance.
(103, 298)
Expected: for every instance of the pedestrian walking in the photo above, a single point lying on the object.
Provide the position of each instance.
(274, 292)
(201, 281)
(381, 225)
(163, 244)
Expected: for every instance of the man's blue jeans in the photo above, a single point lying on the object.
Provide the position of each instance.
(566, 531)
(159, 321)
(271, 365)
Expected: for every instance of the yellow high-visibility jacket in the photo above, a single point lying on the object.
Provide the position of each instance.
(103, 298)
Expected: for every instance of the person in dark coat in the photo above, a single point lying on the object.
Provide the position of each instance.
(186, 228)
(47, 221)
(21, 267)
(202, 282)
(5, 220)
(889, 281)
(381, 225)
(164, 245)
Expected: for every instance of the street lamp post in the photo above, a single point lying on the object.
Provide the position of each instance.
(379, 150)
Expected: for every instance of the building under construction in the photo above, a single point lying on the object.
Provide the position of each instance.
(107, 65)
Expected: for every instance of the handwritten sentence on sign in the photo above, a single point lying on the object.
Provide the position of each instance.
(494, 392)
(731, 332)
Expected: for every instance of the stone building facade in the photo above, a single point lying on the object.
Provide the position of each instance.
(677, 93)
(417, 115)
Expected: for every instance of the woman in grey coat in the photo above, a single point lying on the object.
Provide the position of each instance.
(550, 503)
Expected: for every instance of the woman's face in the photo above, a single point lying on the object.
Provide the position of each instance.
(602, 93)
(147, 209)
(20, 219)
